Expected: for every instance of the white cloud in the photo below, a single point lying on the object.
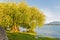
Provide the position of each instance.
(48, 13)
(1, 0)
(51, 15)
(7, 0)
(57, 7)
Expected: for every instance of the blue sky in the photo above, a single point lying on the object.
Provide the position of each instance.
(51, 8)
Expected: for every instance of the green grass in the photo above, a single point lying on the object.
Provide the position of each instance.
(46, 38)
(22, 36)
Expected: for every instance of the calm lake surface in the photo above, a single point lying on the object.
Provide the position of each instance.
(49, 31)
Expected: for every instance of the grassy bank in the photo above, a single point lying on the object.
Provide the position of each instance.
(22, 36)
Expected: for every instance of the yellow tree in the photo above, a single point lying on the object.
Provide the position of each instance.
(37, 18)
(4, 19)
(12, 7)
(22, 15)
(31, 16)
(24, 9)
(8, 15)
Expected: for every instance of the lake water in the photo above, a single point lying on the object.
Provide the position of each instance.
(49, 31)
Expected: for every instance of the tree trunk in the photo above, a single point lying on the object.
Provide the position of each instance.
(30, 30)
(15, 29)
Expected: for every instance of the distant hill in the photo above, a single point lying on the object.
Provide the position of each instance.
(54, 22)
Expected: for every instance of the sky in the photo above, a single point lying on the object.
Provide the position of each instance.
(51, 8)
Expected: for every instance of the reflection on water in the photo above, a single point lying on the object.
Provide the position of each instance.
(49, 30)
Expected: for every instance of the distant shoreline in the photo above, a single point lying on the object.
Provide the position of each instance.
(51, 24)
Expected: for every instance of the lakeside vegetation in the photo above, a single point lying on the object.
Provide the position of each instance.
(22, 36)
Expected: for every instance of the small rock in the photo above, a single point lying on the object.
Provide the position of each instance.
(3, 35)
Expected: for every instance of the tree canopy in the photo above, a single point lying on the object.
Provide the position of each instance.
(20, 14)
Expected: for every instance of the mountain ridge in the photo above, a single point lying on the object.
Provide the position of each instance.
(54, 22)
